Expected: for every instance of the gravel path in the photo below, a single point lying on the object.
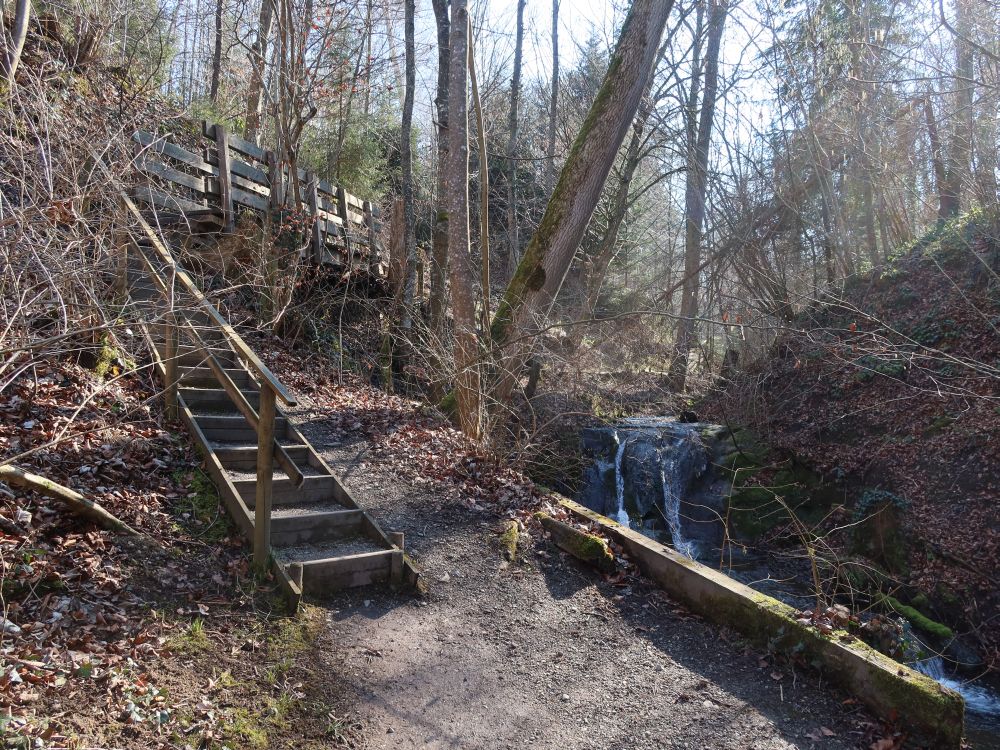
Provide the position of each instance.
(544, 654)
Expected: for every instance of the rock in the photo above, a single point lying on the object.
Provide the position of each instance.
(663, 462)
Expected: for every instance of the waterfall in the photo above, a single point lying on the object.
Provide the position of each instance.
(672, 491)
(978, 699)
(621, 515)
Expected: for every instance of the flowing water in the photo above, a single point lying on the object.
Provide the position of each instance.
(673, 492)
(978, 699)
(621, 515)
(681, 458)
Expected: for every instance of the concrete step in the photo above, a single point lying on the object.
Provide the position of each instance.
(313, 523)
(203, 377)
(243, 456)
(342, 563)
(233, 428)
(315, 487)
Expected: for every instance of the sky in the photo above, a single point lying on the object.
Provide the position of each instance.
(495, 24)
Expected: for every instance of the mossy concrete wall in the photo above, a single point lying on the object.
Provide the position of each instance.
(932, 713)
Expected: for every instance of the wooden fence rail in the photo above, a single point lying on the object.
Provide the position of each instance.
(232, 175)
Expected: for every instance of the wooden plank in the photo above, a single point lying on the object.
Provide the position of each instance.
(274, 181)
(345, 572)
(312, 198)
(234, 504)
(370, 226)
(160, 145)
(159, 199)
(251, 200)
(210, 131)
(250, 186)
(225, 178)
(345, 219)
(239, 168)
(330, 209)
(256, 198)
(303, 528)
(153, 167)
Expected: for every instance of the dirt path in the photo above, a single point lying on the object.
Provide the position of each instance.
(545, 654)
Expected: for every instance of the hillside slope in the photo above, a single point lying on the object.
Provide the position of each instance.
(895, 387)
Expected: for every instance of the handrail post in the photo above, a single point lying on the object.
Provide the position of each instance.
(345, 219)
(225, 176)
(170, 364)
(265, 461)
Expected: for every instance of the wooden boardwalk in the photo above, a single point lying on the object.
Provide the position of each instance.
(206, 190)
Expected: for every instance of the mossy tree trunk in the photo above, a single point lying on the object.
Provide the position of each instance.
(467, 386)
(547, 257)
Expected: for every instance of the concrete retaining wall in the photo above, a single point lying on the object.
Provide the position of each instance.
(934, 714)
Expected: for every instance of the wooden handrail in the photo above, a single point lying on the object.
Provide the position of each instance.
(239, 399)
(235, 340)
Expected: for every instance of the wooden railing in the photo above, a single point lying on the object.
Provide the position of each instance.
(232, 173)
(167, 278)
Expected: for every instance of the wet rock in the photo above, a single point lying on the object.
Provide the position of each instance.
(664, 474)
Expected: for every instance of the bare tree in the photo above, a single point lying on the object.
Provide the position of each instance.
(217, 53)
(18, 33)
(467, 387)
(548, 256)
(550, 151)
(406, 156)
(513, 238)
(694, 196)
(439, 259)
(258, 60)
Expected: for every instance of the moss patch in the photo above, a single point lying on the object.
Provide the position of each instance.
(919, 620)
(509, 540)
(583, 546)
(201, 511)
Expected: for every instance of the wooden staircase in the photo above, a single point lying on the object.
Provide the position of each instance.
(278, 489)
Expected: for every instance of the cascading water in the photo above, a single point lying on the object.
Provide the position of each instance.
(978, 699)
(621, 515)
(640, 454)
(672, 510)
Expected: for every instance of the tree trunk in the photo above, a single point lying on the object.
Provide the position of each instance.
(406, 156)
(439, 258)
(258, 60)
(959, 162)
(18, 33)
(484, 188)
(937, 159)
(513, 238)
(548, 256)
(609, 242)
(550, 150)
(694, 199)
(462, 276)
(217, 54)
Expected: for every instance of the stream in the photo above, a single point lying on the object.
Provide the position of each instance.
(660, 477)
